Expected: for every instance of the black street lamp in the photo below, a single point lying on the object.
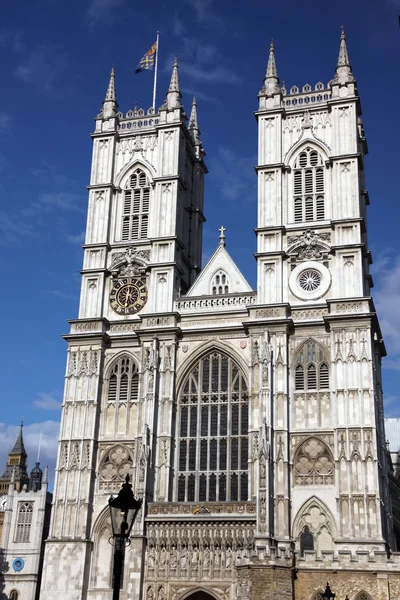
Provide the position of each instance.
(328, 594)
(123, 511)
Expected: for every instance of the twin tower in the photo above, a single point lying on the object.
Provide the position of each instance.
(250, 421)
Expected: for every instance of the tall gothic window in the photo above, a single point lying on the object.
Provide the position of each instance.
(124, 382)
(311, 368)
(24, 521)
(14, 595)
(135, 217)
(308, 184)
(213, 432)
(220, 283)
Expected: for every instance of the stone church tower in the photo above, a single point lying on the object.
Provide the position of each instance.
(251, 422)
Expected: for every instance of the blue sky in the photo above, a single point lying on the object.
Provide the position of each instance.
(55, 62)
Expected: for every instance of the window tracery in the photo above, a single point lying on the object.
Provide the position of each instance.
(213, 432)
(220, 283)
(311, 368)
(115, 466)
(24, 521)
(135, 218)
(124, 382)
(309, 187)
(313, 464)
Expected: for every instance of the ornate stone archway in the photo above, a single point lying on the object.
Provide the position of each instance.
(200, 595)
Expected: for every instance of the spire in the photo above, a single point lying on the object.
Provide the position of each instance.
(19, 447)
(46, 474)
(343, 68)
(110, 104)
(174, 95)
(271, 81)
(194, 124)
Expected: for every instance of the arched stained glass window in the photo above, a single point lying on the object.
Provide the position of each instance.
(213, 432)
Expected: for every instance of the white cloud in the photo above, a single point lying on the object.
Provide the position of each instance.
(101, 11)
(5, 122)
(199, 95)
(233, 175)
(209, 73)
(13, 40)
(42, 66)
(392, 406)
(79, 238)
(31, 434)
(47, 401)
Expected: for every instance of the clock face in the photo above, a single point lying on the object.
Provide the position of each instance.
(128, 296)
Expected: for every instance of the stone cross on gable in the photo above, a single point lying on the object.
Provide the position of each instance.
(222, 230)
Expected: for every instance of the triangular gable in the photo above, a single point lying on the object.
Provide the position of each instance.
(219, 261)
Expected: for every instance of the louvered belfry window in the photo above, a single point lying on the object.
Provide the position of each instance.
(135, 219)
(124, 382)
(213, 432)
(311, 368)
(309, 187)
(24, 521)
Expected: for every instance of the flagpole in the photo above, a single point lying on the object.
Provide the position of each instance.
(155, 74)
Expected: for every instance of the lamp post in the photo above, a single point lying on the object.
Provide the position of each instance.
(123, 511)
(328, 594)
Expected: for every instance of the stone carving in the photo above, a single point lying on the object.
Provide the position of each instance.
(161, 593)
(184, 557)
(349, 307)
(313, 464)
(124, 328)
(309, 245)
(217, 557)
(151, 561)
(115, 465)
(206, 559)
(150, 593)
(308, 314)
(228, 557)
(173, 559)
(195, 556)
(265, 313)
(130, 263)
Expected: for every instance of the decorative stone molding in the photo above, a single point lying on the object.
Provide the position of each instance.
(124, 328)
(217, 302)
(201, 509)
(309, 314)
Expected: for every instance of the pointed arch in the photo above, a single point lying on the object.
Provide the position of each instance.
(363, 595)
(313, 463)
(308, 175)
(219, 283)
(120, 393)
(311, 366)
(199, 593)
(212, 429)
(315, 515)
(123, 175)
(194, 356)
(101, 557)
(317, 145)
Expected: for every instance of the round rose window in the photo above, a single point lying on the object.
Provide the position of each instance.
(310, 280)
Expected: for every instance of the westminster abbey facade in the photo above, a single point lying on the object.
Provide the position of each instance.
(250, 421)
